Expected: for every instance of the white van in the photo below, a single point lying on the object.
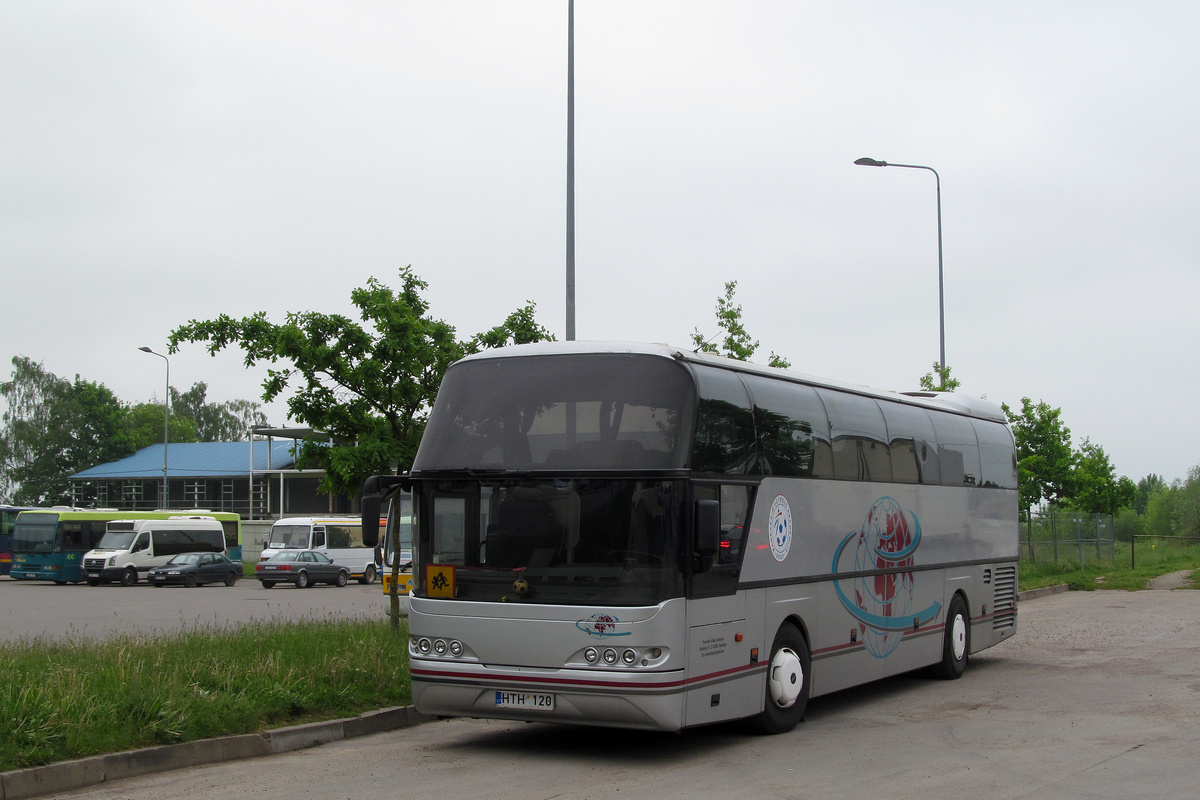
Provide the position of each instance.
(340, 538)
(131, 547)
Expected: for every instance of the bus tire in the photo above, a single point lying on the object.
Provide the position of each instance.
(956, 643)
(789, 678)
(368, 575)
(129, 576)
(302, 580)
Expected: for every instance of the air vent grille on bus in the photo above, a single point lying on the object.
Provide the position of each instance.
(1005, 598)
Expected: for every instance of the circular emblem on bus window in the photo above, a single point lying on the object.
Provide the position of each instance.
(780, 529)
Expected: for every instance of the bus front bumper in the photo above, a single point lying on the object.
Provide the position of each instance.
(647, 701)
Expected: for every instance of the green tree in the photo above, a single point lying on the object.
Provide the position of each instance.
(944, 382)
(144, 425)
(1095, 487)
(1147, 487)
(368, 386)
(1044, 456)
(737, 342)
(53, 428)
(230, 421)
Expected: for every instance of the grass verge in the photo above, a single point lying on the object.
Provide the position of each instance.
(67, 699)
(1152, 559)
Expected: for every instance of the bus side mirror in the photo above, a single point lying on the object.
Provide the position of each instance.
(370, 519)
(375, 488)
(708, 532)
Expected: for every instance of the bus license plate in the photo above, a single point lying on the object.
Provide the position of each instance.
(528, 700)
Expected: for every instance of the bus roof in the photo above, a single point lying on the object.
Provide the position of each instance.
(943, 401)
(109, 514)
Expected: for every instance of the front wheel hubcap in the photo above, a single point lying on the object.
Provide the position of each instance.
(786, 677)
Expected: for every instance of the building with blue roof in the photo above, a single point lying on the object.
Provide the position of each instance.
(256, 479)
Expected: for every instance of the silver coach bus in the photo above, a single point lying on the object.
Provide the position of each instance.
(644, 537)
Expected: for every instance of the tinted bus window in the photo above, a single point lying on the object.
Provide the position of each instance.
(958, 450)
(599, 412)
(724, 424)
(793, 431)
(860, 450)
(911, 443)
(997, 457)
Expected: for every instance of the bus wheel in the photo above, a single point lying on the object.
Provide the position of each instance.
(788, 678)
(129, 577)
(368, 575)
(956, 644)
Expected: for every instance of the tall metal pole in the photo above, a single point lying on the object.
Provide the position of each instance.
(870, 162)
(166, 498)
(570, 170)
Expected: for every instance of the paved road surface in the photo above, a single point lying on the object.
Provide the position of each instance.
(1097, 697)
(37, 608)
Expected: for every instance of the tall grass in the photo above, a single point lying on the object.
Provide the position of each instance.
(1152, 558)
(66, 699)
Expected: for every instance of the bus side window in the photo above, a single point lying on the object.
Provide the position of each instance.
(141, 543)
(859, 434)
(792, 429)
(318, 537)
(724, 425)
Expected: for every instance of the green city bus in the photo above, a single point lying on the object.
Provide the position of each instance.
(48, 544)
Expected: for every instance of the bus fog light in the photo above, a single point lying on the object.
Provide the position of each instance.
(610, 656)
(456, 648)
(629, 656)
(424, 645)
(656, 652)
(591, 655)
(439, 647)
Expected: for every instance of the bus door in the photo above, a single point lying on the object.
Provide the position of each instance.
(719, 660)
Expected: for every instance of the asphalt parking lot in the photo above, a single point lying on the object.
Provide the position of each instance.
(1096, 697)
(42, 609)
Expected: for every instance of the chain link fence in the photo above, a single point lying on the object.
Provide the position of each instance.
(1068, 537)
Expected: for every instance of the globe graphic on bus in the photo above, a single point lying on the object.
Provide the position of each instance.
(888, 537)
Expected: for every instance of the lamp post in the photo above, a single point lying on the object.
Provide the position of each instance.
(166, 422)
(870, 162)
(571, 170)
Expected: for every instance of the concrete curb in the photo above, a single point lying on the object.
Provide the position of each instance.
(66, 776)
(1030, 594)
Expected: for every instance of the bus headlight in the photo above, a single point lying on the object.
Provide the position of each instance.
(425, 645)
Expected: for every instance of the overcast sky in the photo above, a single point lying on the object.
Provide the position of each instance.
(162, 161)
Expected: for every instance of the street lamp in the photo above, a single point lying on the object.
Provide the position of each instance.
(166, 422)
(571, 170)
(870, 162)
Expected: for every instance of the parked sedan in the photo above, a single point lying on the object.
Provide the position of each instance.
(193, 569)
(301, 567)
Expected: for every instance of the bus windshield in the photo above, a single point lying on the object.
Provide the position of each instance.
(289, 536)
(604, 411)
(116, 540)
(34, 533)
(580, 541)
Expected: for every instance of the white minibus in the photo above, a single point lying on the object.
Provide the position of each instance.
(132, 547)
